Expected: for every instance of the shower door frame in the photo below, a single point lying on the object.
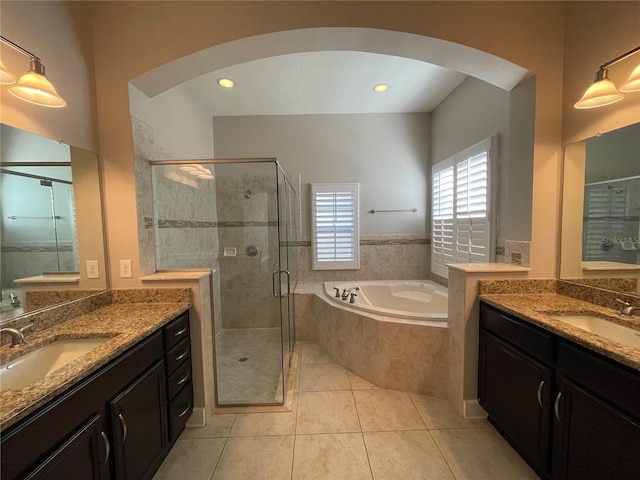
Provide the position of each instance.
(287, 298)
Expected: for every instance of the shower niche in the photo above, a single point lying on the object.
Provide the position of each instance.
(235, 217)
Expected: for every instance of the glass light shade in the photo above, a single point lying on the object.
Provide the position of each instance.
(34, 87)
(601, 92)
(6, 77)
(380, 88)
(633, 82)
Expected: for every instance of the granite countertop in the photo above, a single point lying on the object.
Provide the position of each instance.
(537, 308)
(125, 324)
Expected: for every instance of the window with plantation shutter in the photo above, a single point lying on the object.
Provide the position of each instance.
(335, 239)
(461, 227)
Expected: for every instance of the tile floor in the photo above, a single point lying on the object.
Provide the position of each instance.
(344, 428)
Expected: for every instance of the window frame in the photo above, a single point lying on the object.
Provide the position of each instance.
(336, 188)
(459, 223)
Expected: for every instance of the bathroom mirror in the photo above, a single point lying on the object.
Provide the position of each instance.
(51, 225)
(601, 211)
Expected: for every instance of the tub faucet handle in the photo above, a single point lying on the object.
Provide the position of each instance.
(353, 298)
(337, 292)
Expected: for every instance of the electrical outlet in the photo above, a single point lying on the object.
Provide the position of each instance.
(125, 268)
(92, 269)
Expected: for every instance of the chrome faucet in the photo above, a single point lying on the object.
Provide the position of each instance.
(626, 309)
(17, 337)
(17, 334)
(14, 300)
(345, 293)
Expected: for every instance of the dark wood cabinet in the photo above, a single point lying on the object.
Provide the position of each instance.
(139, 425)
(593, 441)
(584, 420)
(83, 456)
(515, 390)
(118, 423)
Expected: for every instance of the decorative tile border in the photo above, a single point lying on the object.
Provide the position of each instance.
(374, 242)
(205, 224)
(37, 249)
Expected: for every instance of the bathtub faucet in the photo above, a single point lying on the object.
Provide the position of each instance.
(345, 293)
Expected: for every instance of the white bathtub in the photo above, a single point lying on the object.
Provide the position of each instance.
(421, 301)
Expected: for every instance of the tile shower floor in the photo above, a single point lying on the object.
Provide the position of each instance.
(249, 365)
(343, 427)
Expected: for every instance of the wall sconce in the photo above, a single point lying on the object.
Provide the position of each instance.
(603, 92)
(33, 87)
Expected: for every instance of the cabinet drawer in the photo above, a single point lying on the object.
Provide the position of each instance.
(179, 412)
(178, 355)
(617, 384)
(178, 379)
(176, 331)
(532, 340)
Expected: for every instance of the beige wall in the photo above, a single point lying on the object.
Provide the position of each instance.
(131, 38)
(60, 34)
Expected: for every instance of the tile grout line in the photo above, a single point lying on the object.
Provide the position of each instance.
(442, 454)
(220, 457)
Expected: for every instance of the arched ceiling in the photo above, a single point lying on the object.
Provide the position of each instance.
(328, 70)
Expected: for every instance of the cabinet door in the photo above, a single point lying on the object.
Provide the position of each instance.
(83, 456)
(139, 424)
(515, 390)
(592, 440)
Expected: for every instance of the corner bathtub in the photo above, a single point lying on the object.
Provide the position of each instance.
(404, 301)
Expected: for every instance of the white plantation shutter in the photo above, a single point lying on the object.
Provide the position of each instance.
(604, 217)
(442, 237)
(335, 227)
(461, 228)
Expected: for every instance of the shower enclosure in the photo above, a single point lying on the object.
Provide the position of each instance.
(37, 221)
(236, 217)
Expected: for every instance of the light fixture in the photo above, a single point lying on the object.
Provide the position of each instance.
(34, 86)
(225, 82)
(198, 171)
(6, 77)
(603, 92)
(380, 88)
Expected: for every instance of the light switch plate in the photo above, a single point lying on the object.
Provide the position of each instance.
(92, 269)
(125, 268)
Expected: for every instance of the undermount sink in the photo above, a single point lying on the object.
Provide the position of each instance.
(36, 365)
(602, 327)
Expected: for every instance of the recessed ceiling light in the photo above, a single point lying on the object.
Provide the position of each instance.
(381, 87)
(225, 82)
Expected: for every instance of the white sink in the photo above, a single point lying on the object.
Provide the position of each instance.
(34, 366)
(605, 328)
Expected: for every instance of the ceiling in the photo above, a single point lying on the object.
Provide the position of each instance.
(324, 82)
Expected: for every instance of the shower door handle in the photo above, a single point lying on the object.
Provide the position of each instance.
(288, 282)
(273, 283)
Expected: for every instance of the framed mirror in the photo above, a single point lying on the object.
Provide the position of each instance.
(51, 223)
(600, 243)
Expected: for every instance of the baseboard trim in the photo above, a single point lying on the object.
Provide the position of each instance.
(198, 418)
(472, 409)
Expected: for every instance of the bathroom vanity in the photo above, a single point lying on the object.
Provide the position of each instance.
(114, 414)
(566, 399)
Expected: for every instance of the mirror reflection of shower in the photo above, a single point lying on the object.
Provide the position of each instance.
(38, 221)
(612, 220)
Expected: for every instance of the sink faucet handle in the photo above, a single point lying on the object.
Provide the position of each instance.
(337, 292)
(626, 304)
(353, 298)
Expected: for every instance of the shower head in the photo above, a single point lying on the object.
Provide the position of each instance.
(247, 194)
(616, 190)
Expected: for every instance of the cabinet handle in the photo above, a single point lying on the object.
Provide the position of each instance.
(511, 354)
(124, 428)
(182, 354)
(540, 393)
(556, 406)
(184, 412)
(180, 332)
(183, 379)
(107, 447)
